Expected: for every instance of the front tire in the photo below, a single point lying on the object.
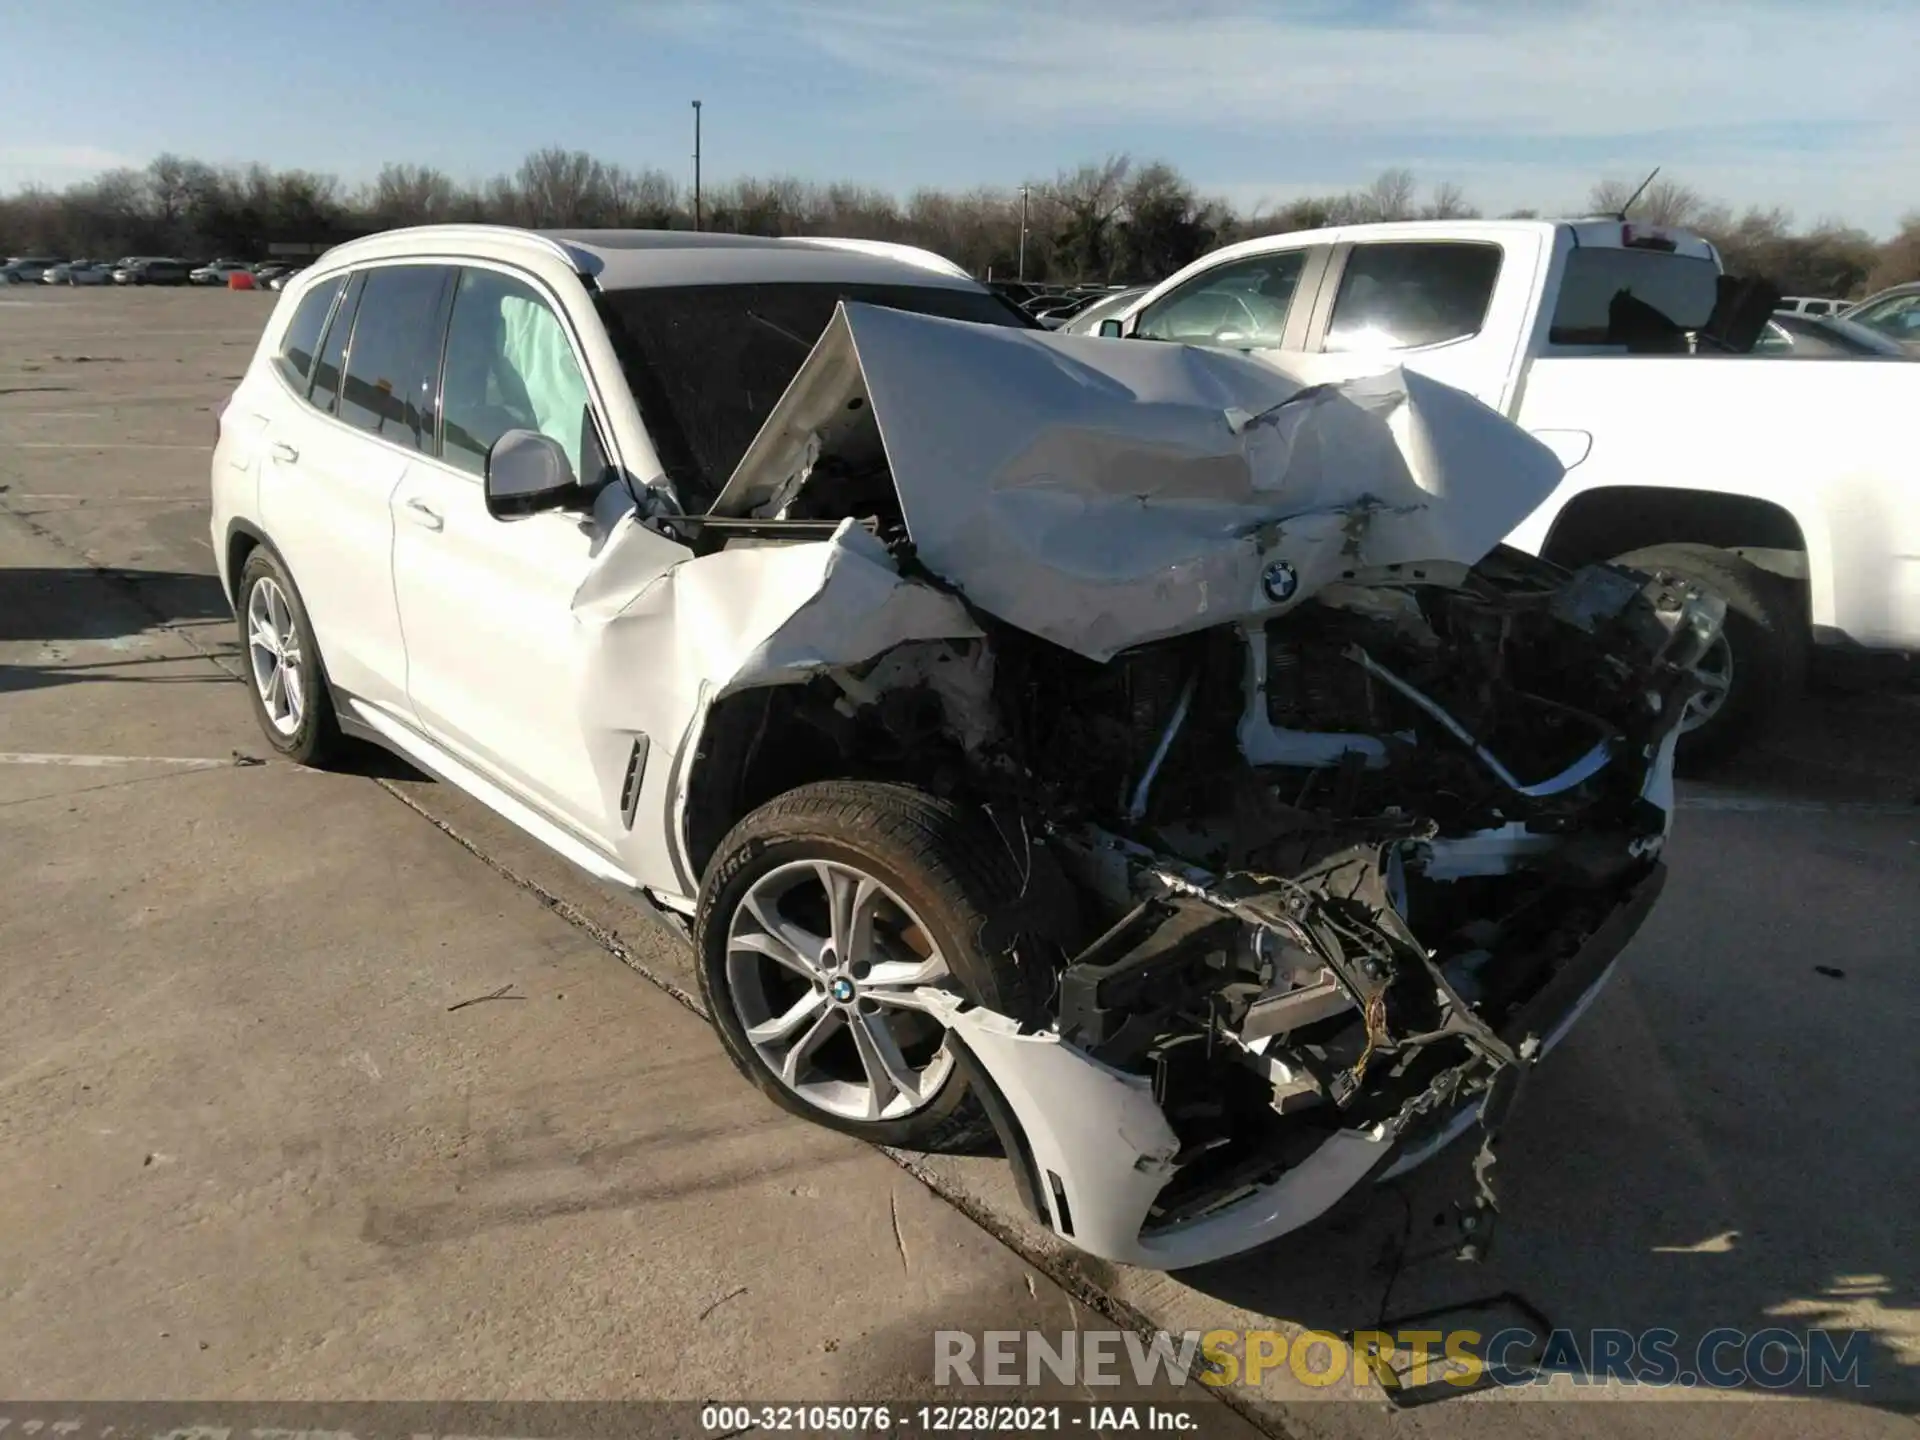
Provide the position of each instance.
(1757, 668)
(286, 679)
(821, 913)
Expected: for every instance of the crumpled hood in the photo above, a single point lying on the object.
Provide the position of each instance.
(1102, 494)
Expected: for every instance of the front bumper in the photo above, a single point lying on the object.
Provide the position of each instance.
(1092, 1150)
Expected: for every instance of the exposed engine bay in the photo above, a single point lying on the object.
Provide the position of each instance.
(1328, 824)
(1308, 870)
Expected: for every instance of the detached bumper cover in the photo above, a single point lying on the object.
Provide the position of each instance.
(1098, 1150)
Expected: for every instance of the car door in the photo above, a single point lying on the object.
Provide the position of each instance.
(1259, 301)
(494, 656)
(326, 501)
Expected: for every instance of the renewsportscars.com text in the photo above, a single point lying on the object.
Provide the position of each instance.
(1722, 1359)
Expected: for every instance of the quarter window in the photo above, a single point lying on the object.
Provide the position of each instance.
(297, 346)
(1242, 304)
(1403, 296)
(326, 370)
(395, 353)
(510, 366)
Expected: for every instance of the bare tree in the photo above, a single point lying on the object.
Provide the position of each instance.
(411, 195)
(1082, 204)
(1449, 202)
(1899, 259)
(563, 187)
(642, 198)
(1389, 197)
(1165, 226)
(1100, 221)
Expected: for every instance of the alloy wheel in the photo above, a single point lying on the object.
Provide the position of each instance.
(822, 964)
(1715, 673)
(273, 651)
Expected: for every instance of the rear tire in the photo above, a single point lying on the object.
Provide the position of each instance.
(286, 678)
(1763, 649)
(770, 971)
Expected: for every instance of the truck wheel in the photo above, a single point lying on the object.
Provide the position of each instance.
(1756, 669)
(821, 913)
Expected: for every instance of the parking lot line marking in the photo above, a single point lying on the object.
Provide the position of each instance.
(1771, 805)
(105, 445)
(107, 496)
(34, 758)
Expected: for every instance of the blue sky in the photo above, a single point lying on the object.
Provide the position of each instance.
(1523, 102)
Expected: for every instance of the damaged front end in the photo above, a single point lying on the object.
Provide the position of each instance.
(1326, 959)
(1334, 813)
(1323, 886)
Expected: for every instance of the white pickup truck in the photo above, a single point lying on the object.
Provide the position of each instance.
(1789, 489)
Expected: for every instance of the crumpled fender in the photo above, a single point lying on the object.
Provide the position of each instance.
(660, 646)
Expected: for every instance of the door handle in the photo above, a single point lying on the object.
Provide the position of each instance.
(422, 513)
(284, 452)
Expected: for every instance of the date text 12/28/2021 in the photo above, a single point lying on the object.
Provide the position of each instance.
(948, 1419)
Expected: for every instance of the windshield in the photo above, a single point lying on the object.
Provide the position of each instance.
(706, 363)
(1898, 316)
(1680, 287)
(1858, 337)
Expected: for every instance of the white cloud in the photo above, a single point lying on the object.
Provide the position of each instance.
(56, 164)
(1605, 67)
(1768, 100)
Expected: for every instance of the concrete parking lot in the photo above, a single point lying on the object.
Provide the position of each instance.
(256, 1147)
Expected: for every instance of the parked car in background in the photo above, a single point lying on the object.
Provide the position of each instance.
(1053, 317)
(1894, 312)
(79, 272)
(1053, 861)
(1599, 337)
(269, 271)
(216, 272)
(1086, 321)
(28, 268)
(1795, 336)
(152, 270)
(285, 277)
(1811, 305)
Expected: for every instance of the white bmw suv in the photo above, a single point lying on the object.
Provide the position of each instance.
(1143, 755)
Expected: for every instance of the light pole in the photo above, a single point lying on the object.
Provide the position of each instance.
(1023, 234)
(696, 164)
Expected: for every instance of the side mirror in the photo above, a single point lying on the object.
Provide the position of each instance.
(528, 472)
(1110, 329)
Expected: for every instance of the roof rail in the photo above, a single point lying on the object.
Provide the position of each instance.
(581, 261)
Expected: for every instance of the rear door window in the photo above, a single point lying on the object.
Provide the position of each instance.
(395, 354)
(326, 369)
(1405, 295)
(302, 338)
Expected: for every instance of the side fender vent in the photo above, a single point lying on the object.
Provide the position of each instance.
(630, 787)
